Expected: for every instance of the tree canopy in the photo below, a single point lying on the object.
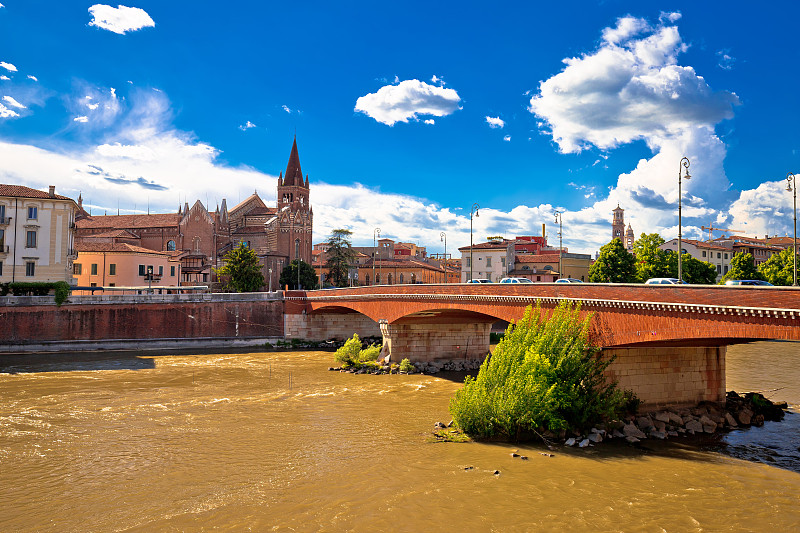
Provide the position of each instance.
(241, 271)
(779, 269)
(742, 267)
(651, 261)
(340, 257)
(694, 270)
(308, 277)
(614, 265)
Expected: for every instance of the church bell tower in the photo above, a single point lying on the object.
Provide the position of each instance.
(295, 216)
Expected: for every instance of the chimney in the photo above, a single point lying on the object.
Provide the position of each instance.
(52, 191)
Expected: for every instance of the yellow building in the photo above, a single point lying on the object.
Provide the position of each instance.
(37, 235)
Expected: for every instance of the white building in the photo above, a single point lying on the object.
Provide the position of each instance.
(717, 255)
(492, 260)
(37, 235)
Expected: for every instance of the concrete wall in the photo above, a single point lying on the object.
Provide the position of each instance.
(37, 321)
(670, 375)
(321, 327)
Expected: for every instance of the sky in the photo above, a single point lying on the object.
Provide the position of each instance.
(406, 115)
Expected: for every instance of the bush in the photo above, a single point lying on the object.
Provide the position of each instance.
(62, 292)
(543, 375)
(353, 353)
(406, 366)
(37, 288)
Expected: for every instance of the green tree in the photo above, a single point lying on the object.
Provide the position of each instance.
(742, 267)
(651, 261)
(779, 269)
(242, 270)
(694, 271)
(340, 257)
(614, 265)
(308, 277)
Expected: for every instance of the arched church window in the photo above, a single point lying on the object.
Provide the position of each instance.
(401, 278)
(170, 246)
(389, 279)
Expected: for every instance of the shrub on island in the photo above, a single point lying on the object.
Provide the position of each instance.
(543, 375)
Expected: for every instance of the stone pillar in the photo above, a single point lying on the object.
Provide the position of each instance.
(670, 376)
(326, 326)
(436, 342)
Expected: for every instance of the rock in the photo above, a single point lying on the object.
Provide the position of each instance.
(617, 434)
(523, 457)
(658, 434)
(758, 420)
(570, 442)
(514, 454)
(596, 437)
(469, 467)
(705, 420)
(496, 472)
(675, 419)
(710, 428)
(584, 443)
(439, 425)
(693, 426)
(631, 439)
(663, 416)
(632, 431)
(673, 433)
(644, 422)
(687, 418)
(331, 368)
(745, 416)
(660, 425)
(730, 420)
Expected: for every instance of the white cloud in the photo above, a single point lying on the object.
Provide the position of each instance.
(669, 16)
(626, 28)
(247, 125)
(10, 101)
(406, 100)
(8, 66)
(120, 19)
(287, 109)
(507, 138)
(83, 119)
(437, 80)
(495, 122)
(726, 61)
(7, 113)
(4, 77)
(430, 121)
(100, 106)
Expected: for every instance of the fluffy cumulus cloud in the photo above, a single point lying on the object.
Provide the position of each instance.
(120, 19)
(408, 100)
(7, 113)
(247, 125)
(12, 102)
(495, 122)
(8, 66)
(632, 88)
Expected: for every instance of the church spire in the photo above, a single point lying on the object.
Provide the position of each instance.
(293, 175)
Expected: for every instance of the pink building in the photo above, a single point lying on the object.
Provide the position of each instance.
(105, 264)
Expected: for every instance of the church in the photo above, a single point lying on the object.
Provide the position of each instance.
(199, 239)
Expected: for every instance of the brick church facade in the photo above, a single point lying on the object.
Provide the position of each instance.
(200, 239)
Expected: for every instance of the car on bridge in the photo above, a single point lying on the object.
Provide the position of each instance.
(515, 280)
(479, 280)
(664, 281)
(568, 280)
(748, 282)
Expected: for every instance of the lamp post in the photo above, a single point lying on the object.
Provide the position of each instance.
(559, 220)
(792, 186)
(443, 237)
(377, 232)
(270, 279)
(475, 208)
(684, 164)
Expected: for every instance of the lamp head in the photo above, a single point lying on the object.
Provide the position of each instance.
(477, 212)
(789, 186)
(687, 176)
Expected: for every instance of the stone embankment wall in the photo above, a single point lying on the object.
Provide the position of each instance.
(84, 322)
(322, 327)
(670, 376)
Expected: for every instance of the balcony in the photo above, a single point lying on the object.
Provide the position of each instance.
(5, 221)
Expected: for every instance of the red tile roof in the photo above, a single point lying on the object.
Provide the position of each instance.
(536, 258)
(130, 221)
(21, 191)
(111, 234)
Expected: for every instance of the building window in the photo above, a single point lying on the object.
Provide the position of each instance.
(2, 237)
(77, 268)
(112, 284)
(205, 278)
(704, 253)
(170, 246)
(726, 256)
(502, 261)
(112, 269)
(93, 284)
(488, 262)
(94, 269)
(725, 269)
(30, 268)
(468, 262)
(719, 269)
(2, 212)
(142, 271)
(172, 271)
(719, 255)
(1, 268)
(160, 270)
(30, 239)
(33, 213)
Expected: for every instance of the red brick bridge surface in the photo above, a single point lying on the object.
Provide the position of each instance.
(624, 314)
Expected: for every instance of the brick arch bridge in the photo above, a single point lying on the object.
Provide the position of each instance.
(676, 332)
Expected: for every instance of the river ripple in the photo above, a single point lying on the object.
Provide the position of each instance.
(273, 441)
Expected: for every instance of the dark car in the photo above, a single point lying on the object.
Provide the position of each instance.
(747, 282)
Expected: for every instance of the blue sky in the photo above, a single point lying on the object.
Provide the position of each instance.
(407, 114)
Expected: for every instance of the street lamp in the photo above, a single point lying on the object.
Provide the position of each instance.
(475, 208)
(792, 186)
(443, 237)
(685, 164)
(377, 232)
(559, 220)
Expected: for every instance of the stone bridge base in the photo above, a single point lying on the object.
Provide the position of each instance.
(435, 342)
(670, 376)
(323, 327)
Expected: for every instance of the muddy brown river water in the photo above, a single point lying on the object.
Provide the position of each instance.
(273, 441)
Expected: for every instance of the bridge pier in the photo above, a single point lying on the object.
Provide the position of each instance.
(429, 342)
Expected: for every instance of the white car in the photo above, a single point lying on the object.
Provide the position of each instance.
(515, 280)
(664, 281)
(479, 280)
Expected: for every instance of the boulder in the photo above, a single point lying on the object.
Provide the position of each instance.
(617, 434)
(706, 421)
(674, 419)
(644, 422)
(694, 426)
(730, 420)
(632, 439)
(663, 416)
(631, 430)
(710, 428)
(595, 437)
(658, 434)
(570, 442)
(745, 416)
(758, 420)
(659, 425)
(584, 443)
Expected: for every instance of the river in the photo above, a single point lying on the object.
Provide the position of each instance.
(273, 441)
